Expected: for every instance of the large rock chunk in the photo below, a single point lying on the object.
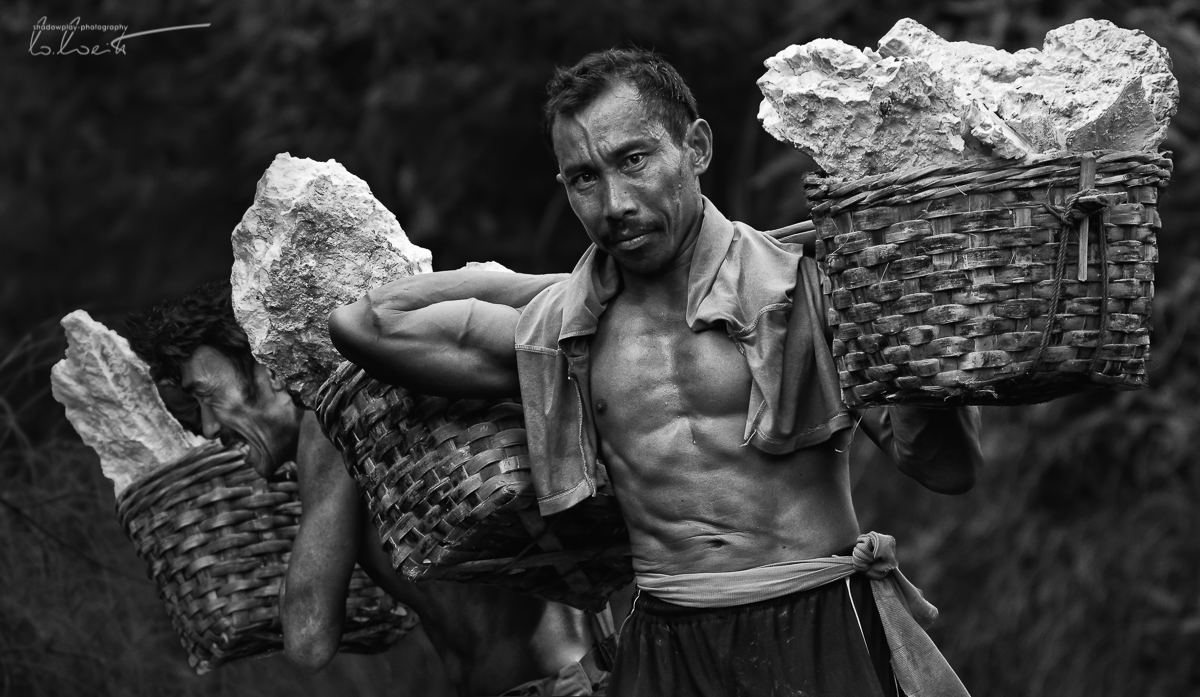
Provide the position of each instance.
(314, 239)
(114, 405)
(1092, 86)
(857, 113)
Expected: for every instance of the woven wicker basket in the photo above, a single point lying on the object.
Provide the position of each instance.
(448, 486)
(943, 281)
(216, 539)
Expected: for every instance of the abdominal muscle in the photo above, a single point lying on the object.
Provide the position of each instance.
(671, 410)
(714, 505)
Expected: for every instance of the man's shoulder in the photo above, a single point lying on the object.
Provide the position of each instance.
(758, 239)
(541, 320)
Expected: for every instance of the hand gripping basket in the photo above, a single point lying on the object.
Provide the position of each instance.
(448, 486)
(216, 538)
(993, 283)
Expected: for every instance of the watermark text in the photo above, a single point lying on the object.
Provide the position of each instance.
(42, 40)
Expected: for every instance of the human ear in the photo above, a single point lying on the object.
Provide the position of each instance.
(699, 140)
(277, 384)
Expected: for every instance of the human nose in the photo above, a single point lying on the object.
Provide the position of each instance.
(618, 200)
(208, 422)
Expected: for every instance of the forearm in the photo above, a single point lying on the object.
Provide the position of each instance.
(937, 447)
(314, 606)
(422, 290)
(323, 553)
(447, 333)
(454, 348)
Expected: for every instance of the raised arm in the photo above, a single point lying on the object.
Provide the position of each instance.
(323, 554)
(447, 333)
(937, 447)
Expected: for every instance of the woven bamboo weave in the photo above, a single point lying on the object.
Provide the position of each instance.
(448, 486)
(216, 538)
(962, 285)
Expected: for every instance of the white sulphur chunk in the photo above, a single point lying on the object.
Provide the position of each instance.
(314, 239)
(857, 113)
(114, 405)
(1093, 86)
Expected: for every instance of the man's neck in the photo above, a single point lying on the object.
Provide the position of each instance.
(669, 283)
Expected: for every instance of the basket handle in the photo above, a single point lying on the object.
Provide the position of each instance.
(1087, 180)
(802, 233)
(1077, 213)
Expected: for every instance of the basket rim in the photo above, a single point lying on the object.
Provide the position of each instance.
(826, 189)
(134, 495)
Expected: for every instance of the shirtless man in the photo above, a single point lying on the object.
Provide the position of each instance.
(488, 639)
(685, 360)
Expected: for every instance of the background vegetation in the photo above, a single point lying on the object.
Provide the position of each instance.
(1069, 570)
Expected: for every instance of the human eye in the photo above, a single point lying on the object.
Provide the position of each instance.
(583, 180)
(202, 395)
(635, 159)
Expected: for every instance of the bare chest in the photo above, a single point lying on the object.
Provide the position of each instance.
(648, 367)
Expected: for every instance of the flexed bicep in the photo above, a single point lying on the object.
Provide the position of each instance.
(457, 348)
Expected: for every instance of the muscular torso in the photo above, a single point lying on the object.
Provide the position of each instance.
(671, 409)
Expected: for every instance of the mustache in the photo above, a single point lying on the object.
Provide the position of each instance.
(626, 229)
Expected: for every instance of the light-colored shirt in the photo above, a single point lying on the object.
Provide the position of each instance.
(767, 296)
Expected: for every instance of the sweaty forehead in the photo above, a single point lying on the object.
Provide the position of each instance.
(206, 366)
(615, 119)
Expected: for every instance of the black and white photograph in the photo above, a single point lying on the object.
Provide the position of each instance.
(519, 348)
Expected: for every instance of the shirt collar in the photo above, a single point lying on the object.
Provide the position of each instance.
(597, 280)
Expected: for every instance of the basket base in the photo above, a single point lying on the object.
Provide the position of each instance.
(1007, 393)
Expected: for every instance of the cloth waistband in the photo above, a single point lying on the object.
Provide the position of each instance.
(918, 665)
(730, 588)
(652, 606)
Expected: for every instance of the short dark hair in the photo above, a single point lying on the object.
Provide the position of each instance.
(167, 334)
(660, 87)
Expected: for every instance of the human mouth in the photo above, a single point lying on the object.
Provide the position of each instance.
(629, 243)
(243, 448)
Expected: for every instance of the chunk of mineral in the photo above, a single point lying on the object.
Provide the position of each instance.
(314, 239)
(858, 113)
(921, 100)
(114, 405)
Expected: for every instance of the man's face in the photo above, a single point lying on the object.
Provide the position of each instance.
(634, 188)
(265, 429)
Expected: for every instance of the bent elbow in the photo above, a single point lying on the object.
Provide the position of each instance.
(310, 638)
(957, 483)
(350, 324)
(951, 480)
(310, 654)
(309, 643)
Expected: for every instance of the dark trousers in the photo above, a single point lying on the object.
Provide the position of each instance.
(805, 643)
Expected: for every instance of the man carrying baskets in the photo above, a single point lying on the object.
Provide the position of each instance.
(684, 364)
(488, 639)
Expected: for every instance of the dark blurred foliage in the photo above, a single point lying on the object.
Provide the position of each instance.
(1069, 570)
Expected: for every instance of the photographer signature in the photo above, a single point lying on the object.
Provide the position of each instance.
(115, 46)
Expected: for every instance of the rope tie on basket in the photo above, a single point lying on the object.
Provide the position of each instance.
(1079, 207)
